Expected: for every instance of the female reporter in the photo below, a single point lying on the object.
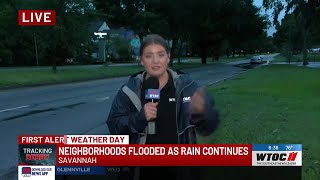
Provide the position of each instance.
(183, 111)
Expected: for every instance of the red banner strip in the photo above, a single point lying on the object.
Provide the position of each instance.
(155, 155)
(38, 139)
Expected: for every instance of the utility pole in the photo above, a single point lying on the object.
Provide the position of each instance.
(35, 45)
(290, 42)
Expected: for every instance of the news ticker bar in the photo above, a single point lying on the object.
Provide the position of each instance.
(277, 173)
(110, 150)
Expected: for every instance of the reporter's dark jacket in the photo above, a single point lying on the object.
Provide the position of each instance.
(127, 114)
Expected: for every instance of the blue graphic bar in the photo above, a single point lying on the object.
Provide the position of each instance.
(80, 170)
(276, 147)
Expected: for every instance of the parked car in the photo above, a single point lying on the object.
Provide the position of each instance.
(256, 60)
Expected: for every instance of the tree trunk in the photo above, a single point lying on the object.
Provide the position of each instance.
(180, 52)
(233, 52)
(173, 47)
(290, 44)
(212, 54)
(217, 56)
(140, 34)
(289, 56)
(304, 49)
(227, 52)
(193, 50)
(203, 55)
(54, 64)
(55, 54)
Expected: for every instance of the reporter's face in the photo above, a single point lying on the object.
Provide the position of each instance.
(155, 59)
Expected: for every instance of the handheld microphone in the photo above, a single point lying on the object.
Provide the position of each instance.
(152, 94)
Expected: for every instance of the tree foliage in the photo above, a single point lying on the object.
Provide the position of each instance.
(54, 44)
(300, 26)
(206, 27)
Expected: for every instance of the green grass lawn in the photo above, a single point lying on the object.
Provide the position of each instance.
(32, 76)
(225, 59)
(28, 77)
(298, 58)
(222, 59)
(36, 76)
(272, 104)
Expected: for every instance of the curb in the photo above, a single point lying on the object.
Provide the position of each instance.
(224, 79)
(239, 73)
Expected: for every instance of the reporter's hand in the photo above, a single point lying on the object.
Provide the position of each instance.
(150, 110)
(197, 107)
(197, 102)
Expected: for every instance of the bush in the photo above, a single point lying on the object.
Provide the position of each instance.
(5, 57)
(121, 50)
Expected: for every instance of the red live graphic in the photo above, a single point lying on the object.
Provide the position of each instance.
(37, 17)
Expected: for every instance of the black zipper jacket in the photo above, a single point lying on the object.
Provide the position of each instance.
(127, 115)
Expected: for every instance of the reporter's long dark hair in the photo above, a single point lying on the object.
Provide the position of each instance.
(153, 39)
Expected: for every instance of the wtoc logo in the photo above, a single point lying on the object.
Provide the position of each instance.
(156, 96)
(276, 158)
(153, 94)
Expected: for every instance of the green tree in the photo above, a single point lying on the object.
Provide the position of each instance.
(245, 27)
(8, 32)
(306, 14)
(147, 22)
(71, 31)
(122, 50)
(54, 44)
(289, 36)
(172, 20)
(216, 24)
(204, 24)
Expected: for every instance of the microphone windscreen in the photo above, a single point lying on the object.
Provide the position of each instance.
(152, 83)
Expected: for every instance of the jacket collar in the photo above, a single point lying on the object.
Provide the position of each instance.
(175, 76)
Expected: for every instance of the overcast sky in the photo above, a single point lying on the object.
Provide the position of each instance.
(271, 30)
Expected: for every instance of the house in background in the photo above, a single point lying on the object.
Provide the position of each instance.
(104, 44)
(99, 31)
(314, 50)
(128, 35)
